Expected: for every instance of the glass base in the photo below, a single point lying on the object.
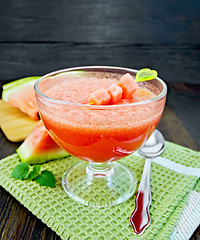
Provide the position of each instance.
(99, 184)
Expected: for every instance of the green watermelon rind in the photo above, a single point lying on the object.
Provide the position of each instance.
(27, 156)
(16, 85)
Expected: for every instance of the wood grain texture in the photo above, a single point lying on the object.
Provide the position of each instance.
(173, 63)
(15, 124)
(146, 22)
(37, 37)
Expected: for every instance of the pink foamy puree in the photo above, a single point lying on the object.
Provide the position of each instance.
(95, 133)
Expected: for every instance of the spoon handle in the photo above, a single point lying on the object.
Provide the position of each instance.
(140, 218)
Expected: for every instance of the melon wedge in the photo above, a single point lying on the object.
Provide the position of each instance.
(39, 147)
(20, 94)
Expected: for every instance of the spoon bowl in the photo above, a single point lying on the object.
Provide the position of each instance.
(154, 146)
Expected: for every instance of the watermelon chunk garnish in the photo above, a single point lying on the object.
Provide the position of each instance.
(128, 84)
(100, 97)
(115, 92)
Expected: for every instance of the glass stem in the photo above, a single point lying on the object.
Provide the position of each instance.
(99, 169)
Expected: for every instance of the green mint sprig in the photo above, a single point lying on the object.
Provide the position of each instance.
(21, 171)
(45, 178)
(34, 173)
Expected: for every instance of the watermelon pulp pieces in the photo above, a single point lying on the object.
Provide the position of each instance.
(115, 92)
(128, 84)
(20, 94)
(100, 97)
(39, 147)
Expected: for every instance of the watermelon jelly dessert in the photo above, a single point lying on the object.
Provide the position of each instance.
(99, 114)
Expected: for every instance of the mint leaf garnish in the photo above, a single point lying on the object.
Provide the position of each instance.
(36, 168)
(33, 174)
(46, 178)
(20, 171)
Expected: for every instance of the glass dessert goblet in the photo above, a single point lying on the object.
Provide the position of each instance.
(98, 134)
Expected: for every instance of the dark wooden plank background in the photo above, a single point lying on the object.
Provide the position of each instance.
(40, 36)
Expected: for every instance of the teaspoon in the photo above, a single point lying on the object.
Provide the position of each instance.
(140, 218)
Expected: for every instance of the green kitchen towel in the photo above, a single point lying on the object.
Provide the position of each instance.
(175, 175)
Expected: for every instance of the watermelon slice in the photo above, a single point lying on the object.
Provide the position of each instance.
(39, 147)
(20, 94)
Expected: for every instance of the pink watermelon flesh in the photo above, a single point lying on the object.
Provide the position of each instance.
(115, 92)
(20, 94)
(128, 84)
(25, 100)
(39, 147)
(99, 97)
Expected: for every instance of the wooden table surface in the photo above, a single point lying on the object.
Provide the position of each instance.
(37, 37)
